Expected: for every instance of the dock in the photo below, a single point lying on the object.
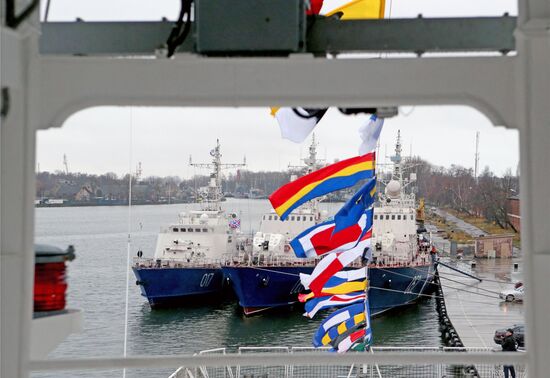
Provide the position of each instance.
(474, 307)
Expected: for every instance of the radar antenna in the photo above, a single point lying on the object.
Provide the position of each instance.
(214, 195)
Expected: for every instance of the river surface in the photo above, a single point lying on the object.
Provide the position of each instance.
(97, 279)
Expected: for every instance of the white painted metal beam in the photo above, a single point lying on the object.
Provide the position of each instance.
(533, 99)
(318, 358)
(79, 82)
(44, 91)
(17, 159)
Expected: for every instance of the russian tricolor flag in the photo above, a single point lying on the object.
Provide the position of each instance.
(320, 240)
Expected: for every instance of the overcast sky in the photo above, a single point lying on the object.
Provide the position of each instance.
(98, 140)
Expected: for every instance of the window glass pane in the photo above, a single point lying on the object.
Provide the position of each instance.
(311, 219)
(182, 230)
(292, 218)
(393, 217)
(197, 230)
(204, 230)
(270, 217)
(399, 217)
(190, 230)
(175, 229)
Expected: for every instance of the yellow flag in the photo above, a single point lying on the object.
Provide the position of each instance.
(361, 9)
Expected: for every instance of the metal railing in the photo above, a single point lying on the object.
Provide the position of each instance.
(426, 369)
(176, 263)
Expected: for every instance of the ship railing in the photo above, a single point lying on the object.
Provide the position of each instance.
(203, 371)
(176, 263)
(263, 371)
(364, 370)
(260, 259)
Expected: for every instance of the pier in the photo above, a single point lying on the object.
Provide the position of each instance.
(474, 307)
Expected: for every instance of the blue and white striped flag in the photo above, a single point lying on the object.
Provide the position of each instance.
(369, 133)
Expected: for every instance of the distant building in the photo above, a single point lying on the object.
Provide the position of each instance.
(84, 194)
(65, 189)
(513, 214)
(494, 246)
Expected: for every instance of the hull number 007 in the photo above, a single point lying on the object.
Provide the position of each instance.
(206, 279)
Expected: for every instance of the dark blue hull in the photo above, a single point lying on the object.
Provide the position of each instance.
(261, 288)
(178, 286)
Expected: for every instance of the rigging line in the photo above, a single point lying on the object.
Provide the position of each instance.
(484, 279)
(390, 290)
(459, 282)
(129, 239)
(426, 295)
(462, 283)
(457, 289)
(273, 271)
(448, 286)
(381, 288)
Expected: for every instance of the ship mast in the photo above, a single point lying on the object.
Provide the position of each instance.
(214, 194)
(396, 159)
(397, 174)
(311, 164)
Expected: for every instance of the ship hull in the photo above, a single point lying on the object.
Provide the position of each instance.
(262, 288)
(169, 287)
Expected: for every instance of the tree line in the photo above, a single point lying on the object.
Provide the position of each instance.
(457, 188)
(452, 187)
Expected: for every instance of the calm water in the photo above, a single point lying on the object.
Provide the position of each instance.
(97, 279)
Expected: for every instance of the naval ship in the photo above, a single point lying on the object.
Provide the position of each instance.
(186, 262)
(400, 271)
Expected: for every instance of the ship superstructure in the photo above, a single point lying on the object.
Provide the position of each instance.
(186, 261)
(400, 271)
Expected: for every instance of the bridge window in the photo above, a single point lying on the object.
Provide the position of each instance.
(399, 217)
(292, 218)
(205, 230)
(393, 217)
(197, 230)
(270, 218)
(190, 230)
(182, 229)
(175, 229)
(375, 216)
(311, 219)
(387, 216)
(275, 217)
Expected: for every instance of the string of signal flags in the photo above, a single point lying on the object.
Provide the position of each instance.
(339, 241)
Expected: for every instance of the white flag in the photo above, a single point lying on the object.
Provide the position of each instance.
(369, 133)
(297, 123)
